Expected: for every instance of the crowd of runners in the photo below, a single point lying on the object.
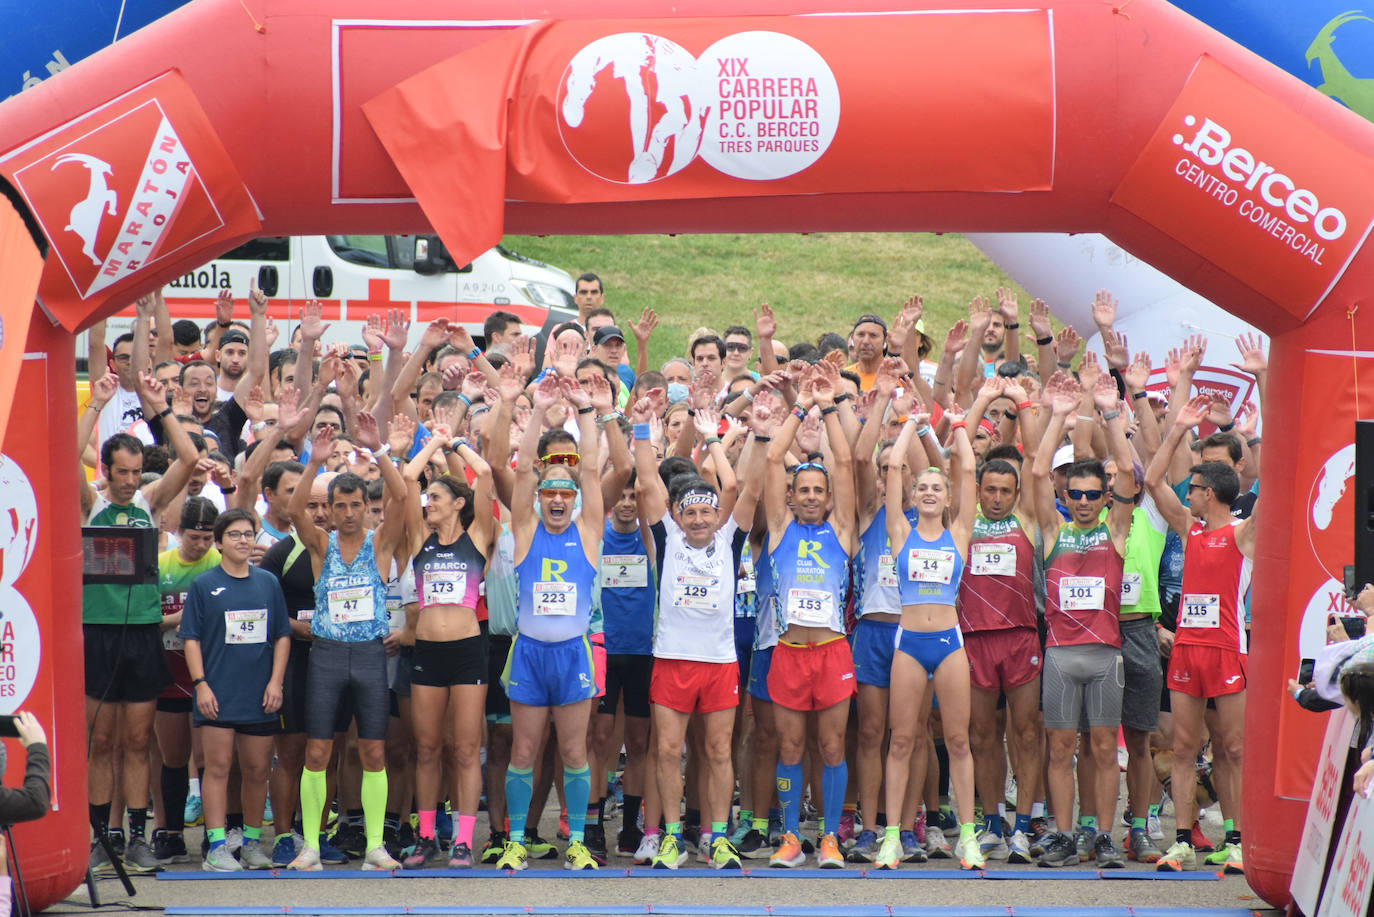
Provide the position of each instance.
(886, 596)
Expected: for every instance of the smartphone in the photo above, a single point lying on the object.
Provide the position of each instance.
(9, 726)
(1350, 586)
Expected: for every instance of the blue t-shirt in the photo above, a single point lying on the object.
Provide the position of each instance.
(238, 622)
(629, 593)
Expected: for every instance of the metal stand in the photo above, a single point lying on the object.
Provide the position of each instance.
(103, 840)
(20, 905)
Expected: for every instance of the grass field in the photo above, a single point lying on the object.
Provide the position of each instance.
(816, 283)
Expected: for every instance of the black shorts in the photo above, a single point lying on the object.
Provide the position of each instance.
(340, 673)
(125, 663)
(498, 704)
(263, 728)
(175, 705)
(630, 674)
(292, 714)
(444, 663)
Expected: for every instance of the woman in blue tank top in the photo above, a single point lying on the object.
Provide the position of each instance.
(550, 664)
(930, 648)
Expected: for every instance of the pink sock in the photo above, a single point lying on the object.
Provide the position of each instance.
(651, 831)
(465, 826)
(427, 823)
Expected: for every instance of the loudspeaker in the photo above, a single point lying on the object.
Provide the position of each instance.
(1364, 504)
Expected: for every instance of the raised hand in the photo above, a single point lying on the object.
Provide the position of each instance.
(957, 338)
(144, 305)
(546, 393)
(991, 388)
(706, 423)
(512, 383)
(979, 316)
(1117, 352)
(1194, 411)
(435, 334)
(253, 404)
(642, 410)
(1253, 361)
(1137, 375)
(452, 377)
(1105, 395)
(1088, 371)
(1040, 319)
(1219, 413)
(257, 299)
(322, 443)
(1011, 388)
(521, 354)
(459, 338)
(289, 411)
(313, 325)
(1104, 311)
(823, 390)
(763, 416)
(765, 323)
(912, 311)
(1247, 420)
(1173, 367)
(809, 434)
(599, 394)
(1006, 305)
(154, 391)
(1062, 393)
(574, 393)
(474, 385)
(648, 321)
(397, 329)
(1193, 349)
(272, 332)
(372, 333)
(224, 306)
(1066, 344)
(401, 436)
(566, 354)
(103, 390)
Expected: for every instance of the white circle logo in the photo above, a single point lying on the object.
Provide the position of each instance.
(20, 649)
(18, 521)
(635, 108)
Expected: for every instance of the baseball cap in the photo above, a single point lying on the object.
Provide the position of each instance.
(1062, 456)
(233, 336)
(606, 333)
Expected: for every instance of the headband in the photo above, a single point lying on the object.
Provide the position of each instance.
(698, 497)
(558, 484)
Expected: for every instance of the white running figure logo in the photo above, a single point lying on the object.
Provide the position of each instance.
(100, 199)
(645, 64)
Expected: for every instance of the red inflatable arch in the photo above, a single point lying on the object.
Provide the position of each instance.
(227, 119)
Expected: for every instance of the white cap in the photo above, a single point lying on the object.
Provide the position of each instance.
(1062, 456)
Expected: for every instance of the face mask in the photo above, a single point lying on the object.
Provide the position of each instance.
(676, 392)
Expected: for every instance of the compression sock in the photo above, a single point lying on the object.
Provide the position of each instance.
(100, 818)
(1023, 824)
(1228, 825)
(577, 787)
(594, 810)
(138, 821)
(464, 830)
(233, 820)
(968, 831)
(174, 788)
(427, 823)
(392, 821)
(374, 806)
(834, 778)
(892, 831)
(993, 823)
(251, 834)
(673, 828)
(216, 837)
(519, 789)
(312, 806)
(717, 830)
(789, 780)
(632, 804)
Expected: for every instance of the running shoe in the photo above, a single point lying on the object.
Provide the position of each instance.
(865, 847)
(1060, 850)
(308, 860)
(139, 857)
(391, 840)
(1180, 857)
(194, 813)
(647, 851)
(253, 856)
(1154, 828)
(169, 847)
(461, 857)
(594, 837)
(627, 841)
(788, 853)
(564, 832)
(1127, 815)
(287, 847)
(117, 842)
(1200, 842)
(425, 849)
(1085, 842)
(1108, 857)
(828, 852)
(538, 848)
(945, 821)
(1235, 865)
(889, 854)
(219, 859)
(1040, 835)
(443, 827)
(993, 846)
(267, 817)
(233, 839)
(1221, 855)
(349, 840)
(100, 864)
(847, 833)
(912, 851)
(1018, 848)
(331, 855)
(774, 830)
(496, 845)
(691, 836)
(513, 857)
(753, 846)
(1009, 793)
(918, 827)
(378, 859)
(969, 853)
(1141, 847)
(937, 845)
(671, 852)
(723, 854)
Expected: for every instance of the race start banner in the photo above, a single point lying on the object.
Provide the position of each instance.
(589, 111)
(139, 179)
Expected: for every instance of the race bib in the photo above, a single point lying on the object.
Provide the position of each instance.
(814, 607)
(991, 558)
(171, 640)
(928, 566)
(1130, 588)
(555, 598)
(699, 592)
(887, 571)
(624, 571)
(445, 587)
(1082, 593)
(748, 580)
(248, 626)
(305, 614)
(1200, 610)
(350, 605)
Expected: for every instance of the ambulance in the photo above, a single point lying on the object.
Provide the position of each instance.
(357, 276)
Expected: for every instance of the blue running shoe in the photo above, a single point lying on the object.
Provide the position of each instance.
(284, 850)
(331, 854)
(194, 813)
(443, 828)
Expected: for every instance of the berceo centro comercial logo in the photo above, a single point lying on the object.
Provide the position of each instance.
(635, 108)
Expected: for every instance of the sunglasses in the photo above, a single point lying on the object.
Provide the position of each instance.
(809, 466)
(1086, 494)
(1193, 487)
(561, 458)
(736, 347)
